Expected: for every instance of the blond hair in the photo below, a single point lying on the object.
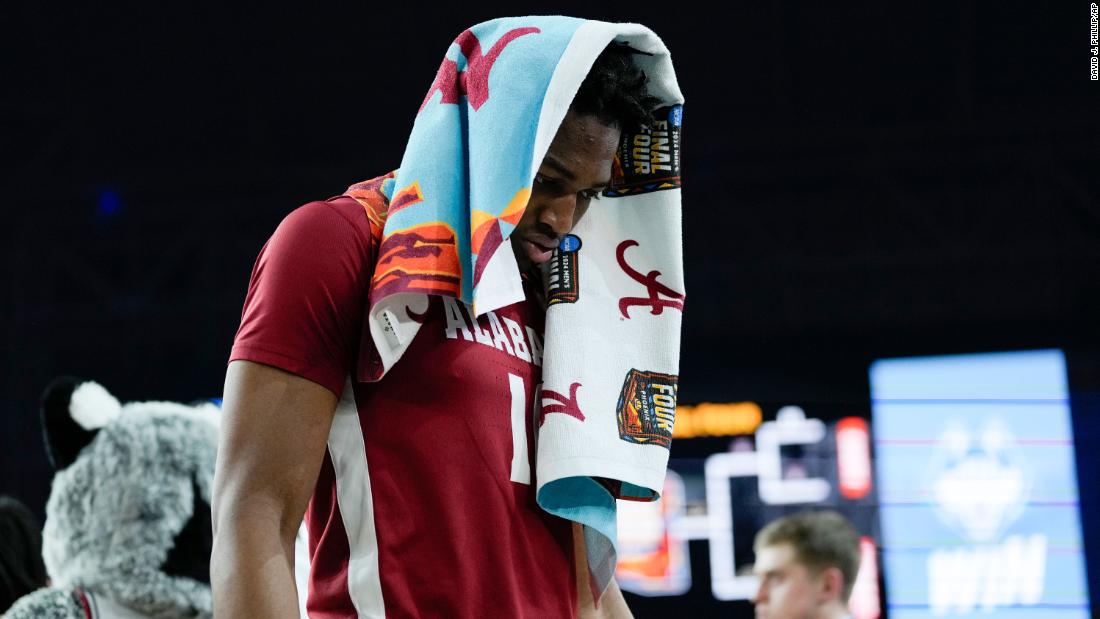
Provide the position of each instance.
(820, 539)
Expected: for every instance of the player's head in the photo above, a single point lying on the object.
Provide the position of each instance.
(577, 165)
(807, 564)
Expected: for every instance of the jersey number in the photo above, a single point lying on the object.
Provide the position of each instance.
(521, 466)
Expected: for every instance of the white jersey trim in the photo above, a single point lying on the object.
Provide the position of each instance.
(104, 607)
(356, 504)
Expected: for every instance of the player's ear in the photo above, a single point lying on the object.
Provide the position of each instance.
(832, 584)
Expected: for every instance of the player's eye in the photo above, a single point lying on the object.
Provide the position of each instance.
(555, 185)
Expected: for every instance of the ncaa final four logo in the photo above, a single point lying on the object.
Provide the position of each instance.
(647, 408)
(562, 285)
(649, 159)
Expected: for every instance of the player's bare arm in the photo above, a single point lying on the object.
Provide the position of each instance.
(273, 434)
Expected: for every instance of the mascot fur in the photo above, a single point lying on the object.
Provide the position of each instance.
(127, 530)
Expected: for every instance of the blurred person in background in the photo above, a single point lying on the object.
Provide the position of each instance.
(807, 564)
(21, 567)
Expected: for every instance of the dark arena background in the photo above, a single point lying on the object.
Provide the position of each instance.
(892, 247)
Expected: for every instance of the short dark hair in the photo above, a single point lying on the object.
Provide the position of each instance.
(820, 539)
(21, 568)
(616, 91)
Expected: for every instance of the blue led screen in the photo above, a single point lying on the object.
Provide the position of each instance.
(978, 496)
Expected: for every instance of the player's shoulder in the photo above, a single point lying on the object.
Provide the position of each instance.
(340, 219)
(335, 214)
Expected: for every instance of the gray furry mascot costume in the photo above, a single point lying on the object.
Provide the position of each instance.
(127, 530)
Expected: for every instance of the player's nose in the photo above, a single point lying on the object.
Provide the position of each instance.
(558, 214)
(761, 595)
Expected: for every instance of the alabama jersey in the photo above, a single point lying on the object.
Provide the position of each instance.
(424, 506)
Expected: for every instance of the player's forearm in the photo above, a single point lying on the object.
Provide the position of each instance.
(252, 567)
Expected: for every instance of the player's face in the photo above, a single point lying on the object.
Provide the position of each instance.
(788, 590)
(576, 168)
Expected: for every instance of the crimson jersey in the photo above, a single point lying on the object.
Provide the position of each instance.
(424, 505)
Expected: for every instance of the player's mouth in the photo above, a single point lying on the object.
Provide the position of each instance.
(539, 248)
